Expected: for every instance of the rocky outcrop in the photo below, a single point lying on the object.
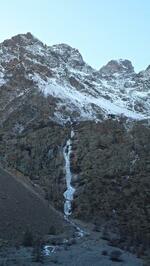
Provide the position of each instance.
(120, 67)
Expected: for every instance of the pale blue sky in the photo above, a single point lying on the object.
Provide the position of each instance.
(100, 29)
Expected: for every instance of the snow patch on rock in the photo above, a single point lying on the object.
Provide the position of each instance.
(81, 101)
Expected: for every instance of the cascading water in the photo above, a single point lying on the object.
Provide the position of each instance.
(68, 194)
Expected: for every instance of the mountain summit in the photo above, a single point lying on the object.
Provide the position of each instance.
(117, 66)
(77, 91)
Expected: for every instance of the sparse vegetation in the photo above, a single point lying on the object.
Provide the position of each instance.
(104, 252)
(37, 254)
(52, 230)
(28, 239)
(116, 256)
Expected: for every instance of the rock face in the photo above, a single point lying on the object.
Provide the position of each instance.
(46, 91)
(119, 67)
(113, 166)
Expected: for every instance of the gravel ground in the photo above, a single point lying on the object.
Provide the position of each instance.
(90, 250)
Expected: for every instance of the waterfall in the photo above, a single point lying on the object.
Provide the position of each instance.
(68, 194)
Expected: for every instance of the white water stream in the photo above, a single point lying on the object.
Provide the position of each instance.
(68, 194)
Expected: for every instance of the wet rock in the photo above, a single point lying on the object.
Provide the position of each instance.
(116, 256)
(104, 252)
(54, 240)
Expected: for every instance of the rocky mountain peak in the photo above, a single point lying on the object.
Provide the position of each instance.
(121, 66)
(148, 70)
(76, 90)
(68, 54)
(21, 40)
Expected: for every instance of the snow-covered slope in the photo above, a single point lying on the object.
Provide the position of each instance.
(79, 91)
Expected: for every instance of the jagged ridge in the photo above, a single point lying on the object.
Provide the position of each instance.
(78, 91)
